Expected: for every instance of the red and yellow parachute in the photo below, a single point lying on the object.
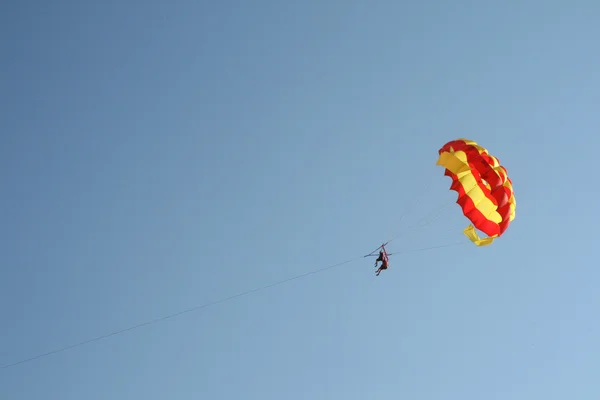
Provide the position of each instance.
(485, 191)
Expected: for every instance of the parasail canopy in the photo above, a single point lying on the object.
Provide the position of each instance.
(485, 192)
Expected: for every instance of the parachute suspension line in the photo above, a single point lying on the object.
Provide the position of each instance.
(458, 243)
(432, 216)
(373, 252)
(423, 222)
(424, 190)
(429, 218)
(435, 215)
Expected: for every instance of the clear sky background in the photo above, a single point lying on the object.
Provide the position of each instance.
(157, 156)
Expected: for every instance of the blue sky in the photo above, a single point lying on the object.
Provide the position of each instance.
(156, 156)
